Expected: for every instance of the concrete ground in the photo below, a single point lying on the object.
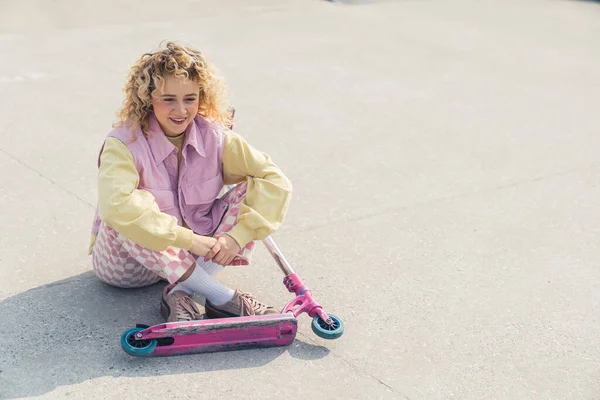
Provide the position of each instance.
(444, 156)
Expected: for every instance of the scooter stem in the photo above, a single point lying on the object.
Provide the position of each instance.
(278, 256)
(274, 250)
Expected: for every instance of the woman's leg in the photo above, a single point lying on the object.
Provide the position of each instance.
(241, 303)
(120, 262)
(200, 281)
(115, 265)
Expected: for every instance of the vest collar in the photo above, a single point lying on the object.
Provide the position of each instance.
(160, 145)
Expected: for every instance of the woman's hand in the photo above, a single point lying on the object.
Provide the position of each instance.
(202, 245)
(224, 251)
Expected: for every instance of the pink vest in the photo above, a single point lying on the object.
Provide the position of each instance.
(191, 195)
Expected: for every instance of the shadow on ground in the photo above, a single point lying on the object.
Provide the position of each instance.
(68, 332)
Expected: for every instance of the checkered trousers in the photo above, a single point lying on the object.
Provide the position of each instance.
(120, 262)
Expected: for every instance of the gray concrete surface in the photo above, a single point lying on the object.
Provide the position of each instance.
(444, 157)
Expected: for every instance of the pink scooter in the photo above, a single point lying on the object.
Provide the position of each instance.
(211, 335)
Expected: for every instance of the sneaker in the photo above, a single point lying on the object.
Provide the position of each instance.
(242, 304)
(179, 306)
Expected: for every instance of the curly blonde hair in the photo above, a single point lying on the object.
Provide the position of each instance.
(148, 75)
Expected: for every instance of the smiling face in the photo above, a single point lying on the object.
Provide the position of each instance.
(176, 105)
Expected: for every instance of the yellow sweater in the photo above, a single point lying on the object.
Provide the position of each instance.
(134, 213)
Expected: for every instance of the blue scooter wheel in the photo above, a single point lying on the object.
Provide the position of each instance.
(325, 330)
(137, 348)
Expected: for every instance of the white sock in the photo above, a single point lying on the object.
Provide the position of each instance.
(209, 266)
(202, 283)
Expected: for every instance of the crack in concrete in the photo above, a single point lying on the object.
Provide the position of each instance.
(443, 199)
(46, 178)
(357, 369)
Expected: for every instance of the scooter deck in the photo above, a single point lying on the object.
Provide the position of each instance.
(225, 334)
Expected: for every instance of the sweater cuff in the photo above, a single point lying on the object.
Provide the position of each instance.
(183, 240)
(241, 234)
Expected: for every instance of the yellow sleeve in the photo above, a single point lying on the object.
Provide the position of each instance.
(268, 194)
(130, 211)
